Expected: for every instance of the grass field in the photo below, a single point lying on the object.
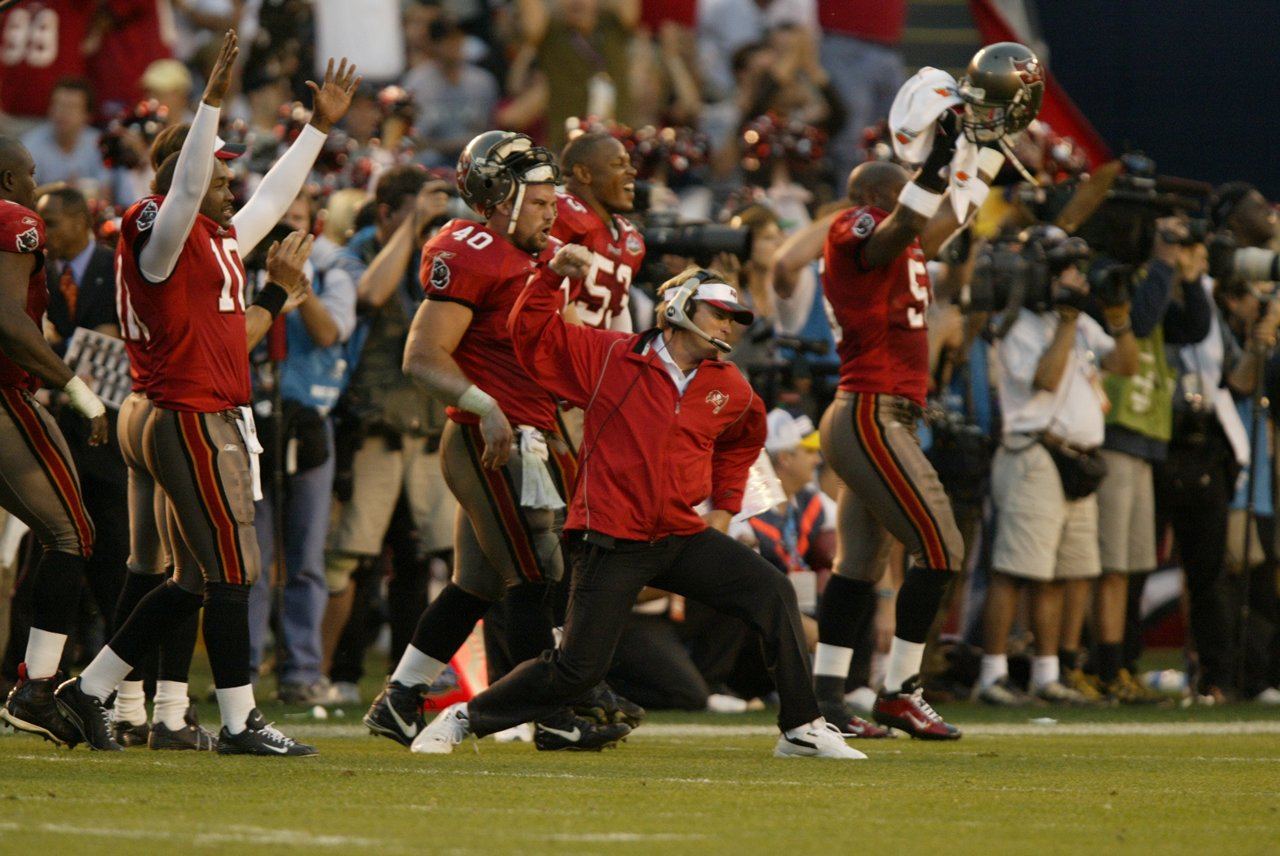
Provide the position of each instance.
(1167, 781)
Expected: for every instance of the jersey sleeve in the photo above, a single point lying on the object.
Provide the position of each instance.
(21, 230)
(135, 226)
(456, 275)
(850, 231)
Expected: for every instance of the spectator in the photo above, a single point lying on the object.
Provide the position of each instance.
(169, 83)
(582, 51)
(128, 36)
(42, 45)
(198, 22)
(1047, 514)
(726, 26)
(859, 51)
(81, 273)
(65, 146)
(312, 376)
(454, 98)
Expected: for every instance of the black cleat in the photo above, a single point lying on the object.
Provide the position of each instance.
(31, 708)
(87, 715)
(397, 712)
(603, 706)
(259, 737)
(191, 736)
(567, 732)
(127, 734)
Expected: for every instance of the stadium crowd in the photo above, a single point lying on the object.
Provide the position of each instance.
(1099, 406)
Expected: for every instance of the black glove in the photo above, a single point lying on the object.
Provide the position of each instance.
(944, 148)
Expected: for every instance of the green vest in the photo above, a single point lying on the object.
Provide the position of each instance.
(1143, 402)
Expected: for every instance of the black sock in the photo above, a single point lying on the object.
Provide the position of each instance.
(529, 630)
(176, 648)
(136, 587)
(847, 607)
(447, 622)
(918, 601)
(165, 606)
(1108, 662)
(226, 633)
(1068, 661)
(57, 579)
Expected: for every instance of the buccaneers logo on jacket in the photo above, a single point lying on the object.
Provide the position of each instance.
(717, 400)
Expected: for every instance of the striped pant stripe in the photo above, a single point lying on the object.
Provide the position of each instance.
(202, 458)
(506, 510)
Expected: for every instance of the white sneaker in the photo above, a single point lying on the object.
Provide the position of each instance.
(722, 703)
(522, 733)
(342, 692)
(1271, 695)
(862, 700)
(818, 739)
(445, 731)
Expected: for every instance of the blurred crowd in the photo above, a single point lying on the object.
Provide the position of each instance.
(747, 115)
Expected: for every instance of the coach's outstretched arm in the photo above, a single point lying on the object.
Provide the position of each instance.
(282, 184)
(564, 359)
(735, 451)
(192, 175)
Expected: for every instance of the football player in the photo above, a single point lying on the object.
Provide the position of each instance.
(38, 481)
(877, 284)
(502, 453)
(182, 285)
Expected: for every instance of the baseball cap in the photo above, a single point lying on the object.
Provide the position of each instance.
(787, 432)
(724, 296)
(222, 150)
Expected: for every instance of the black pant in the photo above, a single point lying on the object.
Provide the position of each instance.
(709, 567)
(1193, 494)
(652, 666)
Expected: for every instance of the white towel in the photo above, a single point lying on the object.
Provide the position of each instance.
(537, 489)
(913, 122)
(249, 433)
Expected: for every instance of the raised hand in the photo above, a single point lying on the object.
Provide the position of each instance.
(572, 261)
(286, 265)
(331, 101)
(220, 77)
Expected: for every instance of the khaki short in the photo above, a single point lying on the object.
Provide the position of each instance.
(1127, 515)
(1040, 535)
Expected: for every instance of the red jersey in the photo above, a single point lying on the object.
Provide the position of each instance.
(467, 263)
(136, 40)
(194, 354)
(22, 231)
(881, 311)
(617, 250)
(39, 45)
(879, 21)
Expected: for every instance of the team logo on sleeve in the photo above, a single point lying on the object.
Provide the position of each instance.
(863, 225)
(147, 216)
(633, 244)
(440, 273)
(717, 400)
(29, 240)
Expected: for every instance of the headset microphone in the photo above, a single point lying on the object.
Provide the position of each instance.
(677, 309)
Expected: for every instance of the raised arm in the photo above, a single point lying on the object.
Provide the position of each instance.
(191, 177)
(798, 250)
(282, 184)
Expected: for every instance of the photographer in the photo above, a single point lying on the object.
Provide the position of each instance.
(1048, 465)
(1169, 307)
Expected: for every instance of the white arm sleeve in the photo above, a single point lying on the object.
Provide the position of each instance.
(278, 189)
(181, 204)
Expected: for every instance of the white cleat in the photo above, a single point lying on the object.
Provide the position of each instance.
(522, 733)
(818, 739)
(447, 730)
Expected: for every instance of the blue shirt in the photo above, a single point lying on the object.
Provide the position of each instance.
(312, 375)
(84, 162)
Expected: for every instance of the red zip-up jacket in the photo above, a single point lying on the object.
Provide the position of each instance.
(649, 454)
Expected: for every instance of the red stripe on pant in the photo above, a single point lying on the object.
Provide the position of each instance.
(509, 514)
(58, 469)
(205, 470)
(868, 431)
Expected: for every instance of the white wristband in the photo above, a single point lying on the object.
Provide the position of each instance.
(989, 161)
(919, 200)
(476, 400)
(83, 399)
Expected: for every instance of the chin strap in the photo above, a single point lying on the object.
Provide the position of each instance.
(515, 208)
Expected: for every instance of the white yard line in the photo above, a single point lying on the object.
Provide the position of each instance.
(232, 835)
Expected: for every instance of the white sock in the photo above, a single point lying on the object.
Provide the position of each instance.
(416, 668)
(235, 704)
(171, 704)
(131, 703)
(44, 652)
(994, 667)
(904, 663)
(1044, 670)
(832, 661)
(99, 678)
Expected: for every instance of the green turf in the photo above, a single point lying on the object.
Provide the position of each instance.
(668, 793)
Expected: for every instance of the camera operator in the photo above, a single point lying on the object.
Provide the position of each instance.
(1048, 465)
(1169, 307)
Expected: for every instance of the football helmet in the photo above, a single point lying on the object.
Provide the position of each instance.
(1002, 89)
(496, 165)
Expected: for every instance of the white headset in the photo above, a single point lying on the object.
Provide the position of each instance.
(677, 313)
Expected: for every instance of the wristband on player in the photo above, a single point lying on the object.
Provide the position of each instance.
(83, 399)
(919, 200)
(476, 400)
(989, 161)
(272, 298)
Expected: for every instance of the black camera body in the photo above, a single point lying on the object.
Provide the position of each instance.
(664, 235)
